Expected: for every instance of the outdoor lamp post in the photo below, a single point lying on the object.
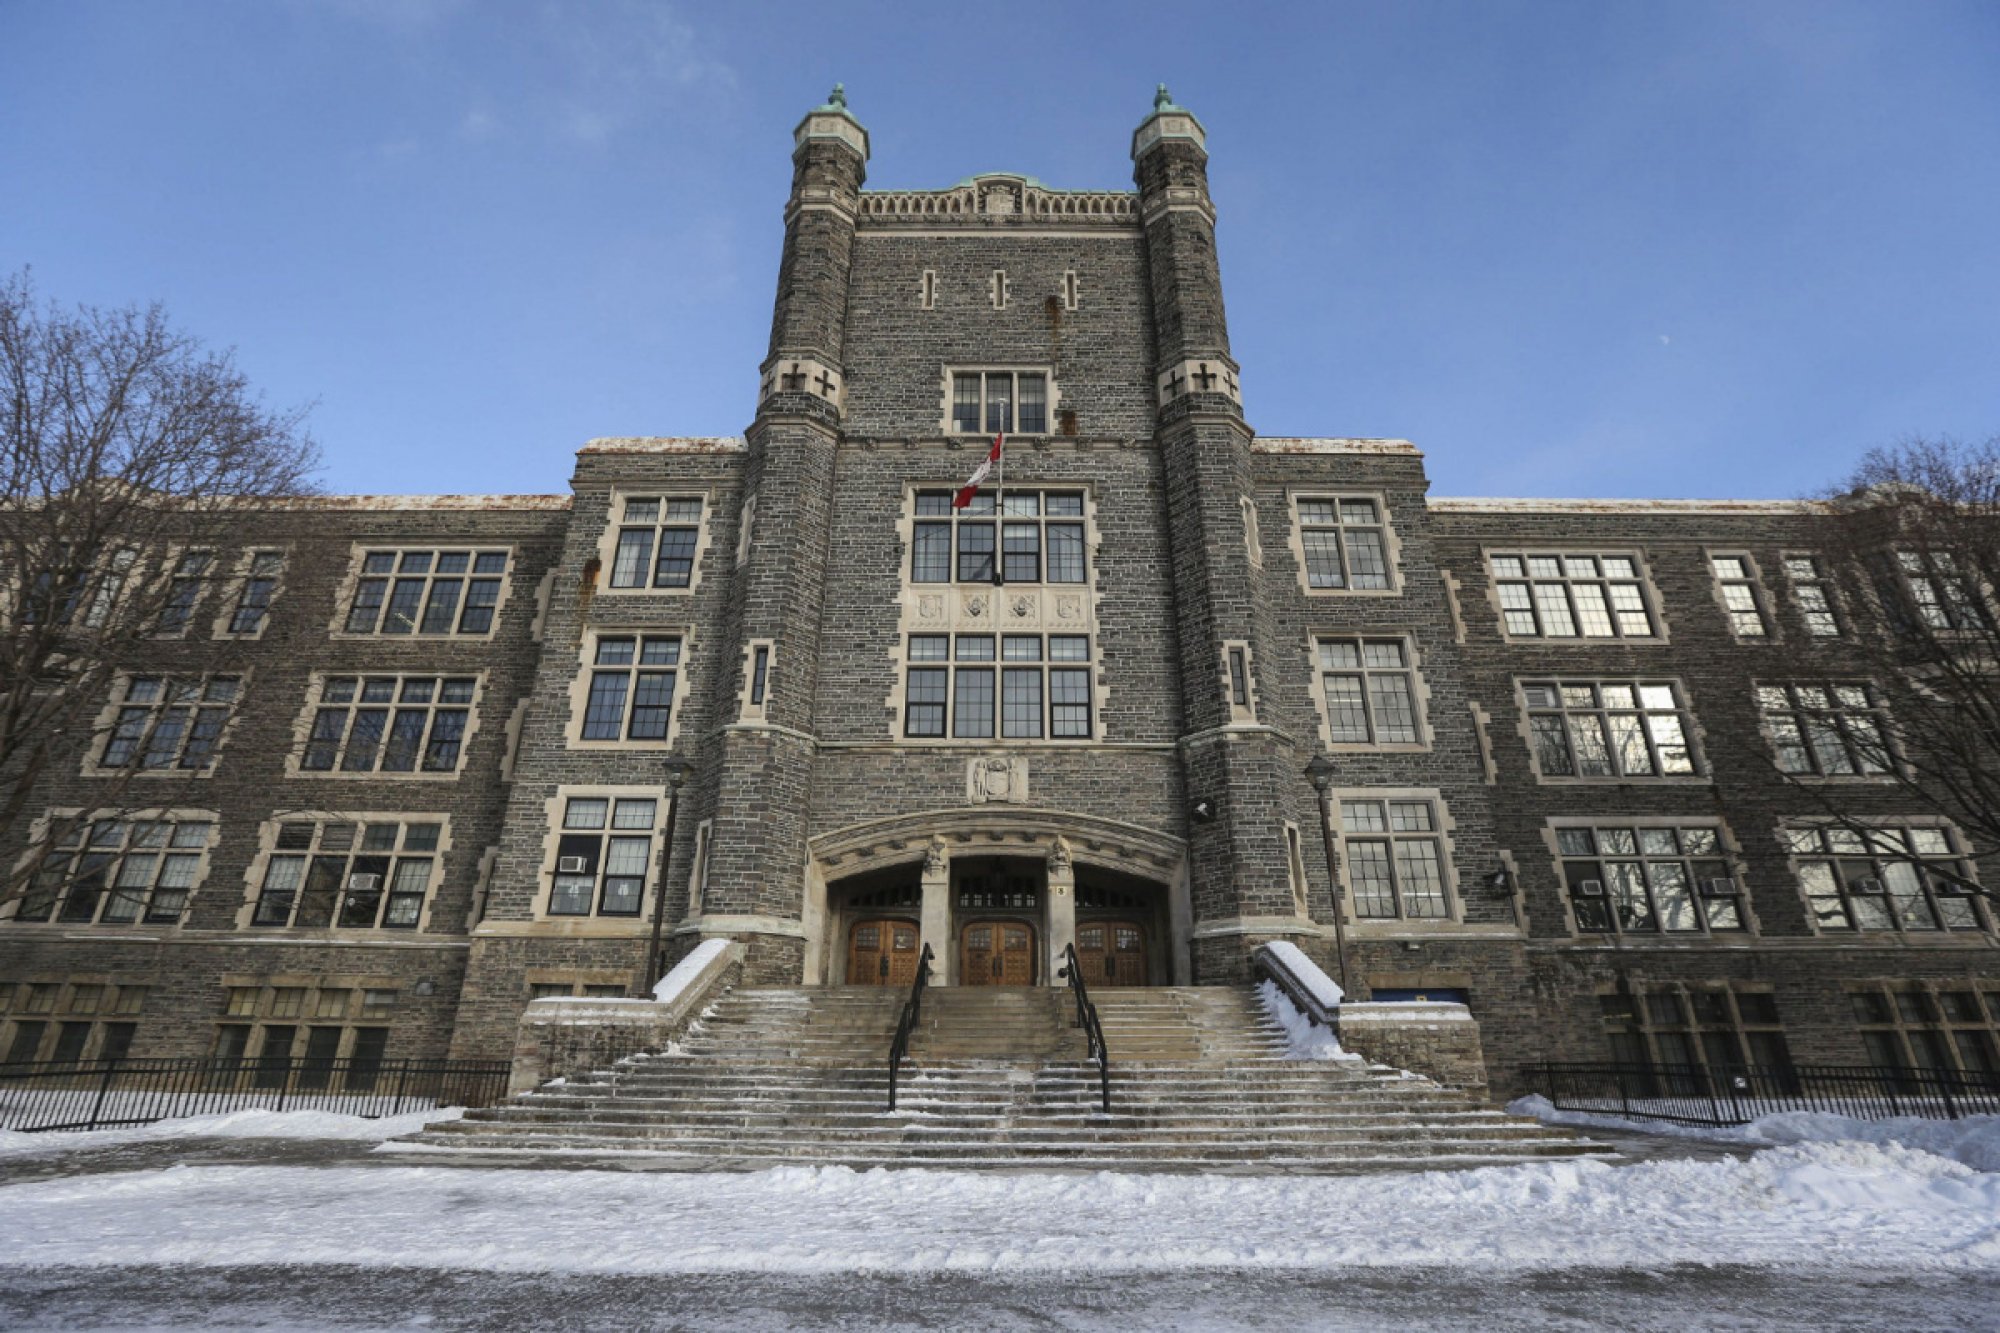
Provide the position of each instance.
(677, 770)
(1321, 771)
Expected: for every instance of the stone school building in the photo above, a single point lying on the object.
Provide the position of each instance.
(417, 746)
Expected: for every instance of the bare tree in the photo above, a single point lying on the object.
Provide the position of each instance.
(1911, 543)
(129, 452)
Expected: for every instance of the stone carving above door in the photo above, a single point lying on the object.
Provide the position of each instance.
(996, 778)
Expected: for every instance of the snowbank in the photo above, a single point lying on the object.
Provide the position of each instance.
(1306, 1039)
(1323, 988)
(1973, 1141)
(251, 1124)
(688, 969)
(1825, 1207)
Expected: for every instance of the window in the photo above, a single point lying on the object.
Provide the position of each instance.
(332, 1002)
(426, 592)
(1736, 584)
(1826, 730)
(657, 537)
(603, 855)
(377, 1003)
(84, 998)
(1711, 1029)
(241, 1001)
(253, 603)
(1345, 543)
(119, 872)
(1569, 595)
(183, 591)
(1040, 536)
(1608, 729)
(169, 722)
(927, 290)
(1043, 686)
(1239, 677)
(389, 724)
(997, 402)
(288, 1001)
(1071, 294)
(1395, 858)
(351, 875)
(1367, 688)
(760, 674)
(131, 1000)
(1814, 598)
(632, 681)
(1877, 880)
(1643, 880)
(1949, 1029)
(1941, 595)
(41, 998)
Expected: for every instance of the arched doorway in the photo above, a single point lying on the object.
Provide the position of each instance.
(1113, 953)
(882, 951)
(996, 953)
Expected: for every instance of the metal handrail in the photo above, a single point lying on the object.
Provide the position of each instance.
(912, 1013)
(1086, 1018)
(1737, 1094)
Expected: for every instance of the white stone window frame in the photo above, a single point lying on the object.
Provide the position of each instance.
(1878, 709)
(1236, 676)
(1072, 290)
(302, 727)
(950, 431)
(236, 585)
(1728, 850)
(1649, 593)
(927, 287)
(1392, 547)
(607, 542)
(1752, 581)
(746, 526)
(1691, 730)
(1253, 537)
(1420, 692)
(999, 289)
(268, 850)
(350, 584)
(697, 887)
(204, 580)
(1951, 602)
(753, 699)
(580, 681)
(595, 923)
(86, 819)
(103, 732)
(1824, 583)
(1795, 860)
(1444, 833)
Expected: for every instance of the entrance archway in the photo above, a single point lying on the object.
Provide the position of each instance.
(1113, 953)
(882, 951)
(996, 953)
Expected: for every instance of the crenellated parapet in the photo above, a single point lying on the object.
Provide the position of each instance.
(1000, 199)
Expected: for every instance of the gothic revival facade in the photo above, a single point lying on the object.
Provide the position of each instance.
(415, 746)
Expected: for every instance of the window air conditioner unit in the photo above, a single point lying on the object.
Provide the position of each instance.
(363, 883)
(1945, 888)
(569, 865)
(1590, 888)
(1870, 887)
(1720, 888)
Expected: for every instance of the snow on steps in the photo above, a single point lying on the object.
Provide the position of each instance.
(1200, 1081)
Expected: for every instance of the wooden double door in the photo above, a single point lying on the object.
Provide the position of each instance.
(882, 952)
(1113, 953)
(996, 953)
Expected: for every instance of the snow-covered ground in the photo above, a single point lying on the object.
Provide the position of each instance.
(250, 1124)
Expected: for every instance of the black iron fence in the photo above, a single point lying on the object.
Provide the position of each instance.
(1699, 1095)
(69, 1095)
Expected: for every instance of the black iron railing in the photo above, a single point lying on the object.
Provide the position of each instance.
(1086, 1018)
(1736, 1095)
(913, 1009)
(70, 1095)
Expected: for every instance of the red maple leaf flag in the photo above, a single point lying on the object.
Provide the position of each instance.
(979, 475)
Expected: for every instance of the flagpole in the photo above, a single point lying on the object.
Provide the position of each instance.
(1000, 515)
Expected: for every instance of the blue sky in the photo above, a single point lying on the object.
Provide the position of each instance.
(1602, 248)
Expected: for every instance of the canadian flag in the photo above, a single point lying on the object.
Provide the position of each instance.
(979, 475)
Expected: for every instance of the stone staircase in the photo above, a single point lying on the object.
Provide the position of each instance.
(999, 1078)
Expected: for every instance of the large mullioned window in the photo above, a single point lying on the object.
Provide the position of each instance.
(1571, 594)
(389, 724)
(169, 722)
(1608, 729)
(426, 592)
(1826, 730)
(632, 680)
(1643, 880)
(1884, 879)
(1368, 690)
(1395, 858)
(356, 876)
(1038, 540)
(119, 872)
(995, 402)
(1039, 687)
(1345, 543)
(603, 856)
(657, 538)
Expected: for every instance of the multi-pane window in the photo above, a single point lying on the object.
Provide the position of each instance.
(426, 592)
(1369, 690)
(357, 876)
(1608, 729)
(1884, 878)
(1904, 1027)
(169, 722)
(1568, 595)
(1827, 730)
(603, 855)
(1737, 586)
(1810, 590)
(183, 591)
(632, 680)
(1641, 880)
(118, 872)
(994, 402)
(389, 724)
(1395, 858)
(1345, 542)
(253, 603)
(1940, 593)
(1706, 1028)
(657, 537)
(1039, 686)
(1038, 540)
